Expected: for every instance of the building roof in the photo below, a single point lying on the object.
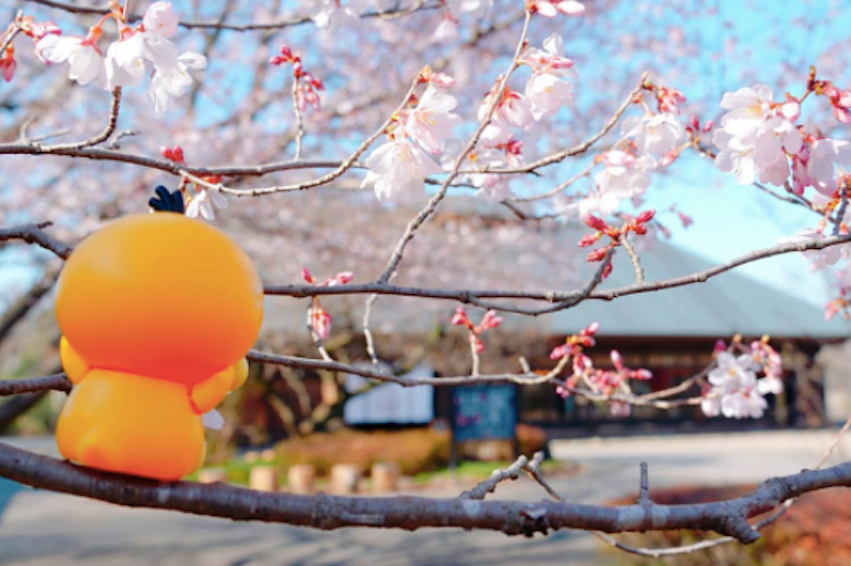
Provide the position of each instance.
(724, 305)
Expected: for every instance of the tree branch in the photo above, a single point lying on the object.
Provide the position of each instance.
(559, 300)
(273, 25)
(410, 513)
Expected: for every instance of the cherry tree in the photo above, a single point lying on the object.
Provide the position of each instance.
(317, 122)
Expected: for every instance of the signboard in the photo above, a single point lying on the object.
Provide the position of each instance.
(390, 403)
(484, 412)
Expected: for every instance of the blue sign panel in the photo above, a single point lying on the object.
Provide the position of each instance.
(484, 412)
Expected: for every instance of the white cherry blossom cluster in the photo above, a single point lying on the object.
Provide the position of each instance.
(398, 168)
(333, 13)
(126, 61)
(649, 143)
(760, 140)
(546, 91)
(735, 390)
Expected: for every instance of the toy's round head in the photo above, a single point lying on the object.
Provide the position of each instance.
(160, 295)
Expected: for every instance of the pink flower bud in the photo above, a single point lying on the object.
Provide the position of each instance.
(594, 222)
(708, 125)
(320, 320)
(694, 123)
(560, 352)
(685, 219)
(460, 318)
(617, 359)
(590, 239)
(645, 216)
(306, 275)
(591, 329)
(342, 278)
(490, 320)
(607, 270)
(596, 255)
(720, 346)
(642, 374)
(174, 154)
(7, 67)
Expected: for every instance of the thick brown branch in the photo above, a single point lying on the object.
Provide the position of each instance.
(56, 382)
(33, 234)
(410, 513)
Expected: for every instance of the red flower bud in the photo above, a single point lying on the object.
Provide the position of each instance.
(594, 222)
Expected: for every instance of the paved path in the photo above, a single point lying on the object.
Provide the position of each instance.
(41, 528)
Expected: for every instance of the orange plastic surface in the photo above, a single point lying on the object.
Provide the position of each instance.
(157, 312)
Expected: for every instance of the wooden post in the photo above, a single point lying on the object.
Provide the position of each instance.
(345, 479)
(300, 478)
(263, 478)
(385, 477)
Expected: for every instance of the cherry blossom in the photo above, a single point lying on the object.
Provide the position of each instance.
(175, 82)
(160, 19)
(318, 318)
(547, 93)
(204, 204)
(654, 133)
(489, 321)
(85, 59)
(734, 382)
(625, 176)
(551, 9)
(8, 64)
(397, 170)
(432, 120)
(125, 65)
(507, 153)
(669, 100)
(333, 13)
(476, 8)
(549, 60)
(762, 153)
(822, 157)
(512, 109)
(747, 109)
(546, 90)
(446, 31)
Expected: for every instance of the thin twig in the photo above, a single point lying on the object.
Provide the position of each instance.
(633, 257)
(272, 25)
(112, 123)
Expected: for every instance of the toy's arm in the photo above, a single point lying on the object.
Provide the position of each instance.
(74, 365)
(211, 391)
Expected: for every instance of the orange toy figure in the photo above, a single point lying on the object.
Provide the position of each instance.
(157, 312)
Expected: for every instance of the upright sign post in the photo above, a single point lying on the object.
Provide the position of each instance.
(483, 412)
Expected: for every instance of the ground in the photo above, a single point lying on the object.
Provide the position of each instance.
(42, 528)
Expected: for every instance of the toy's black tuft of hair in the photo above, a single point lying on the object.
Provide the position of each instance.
(167, 202)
